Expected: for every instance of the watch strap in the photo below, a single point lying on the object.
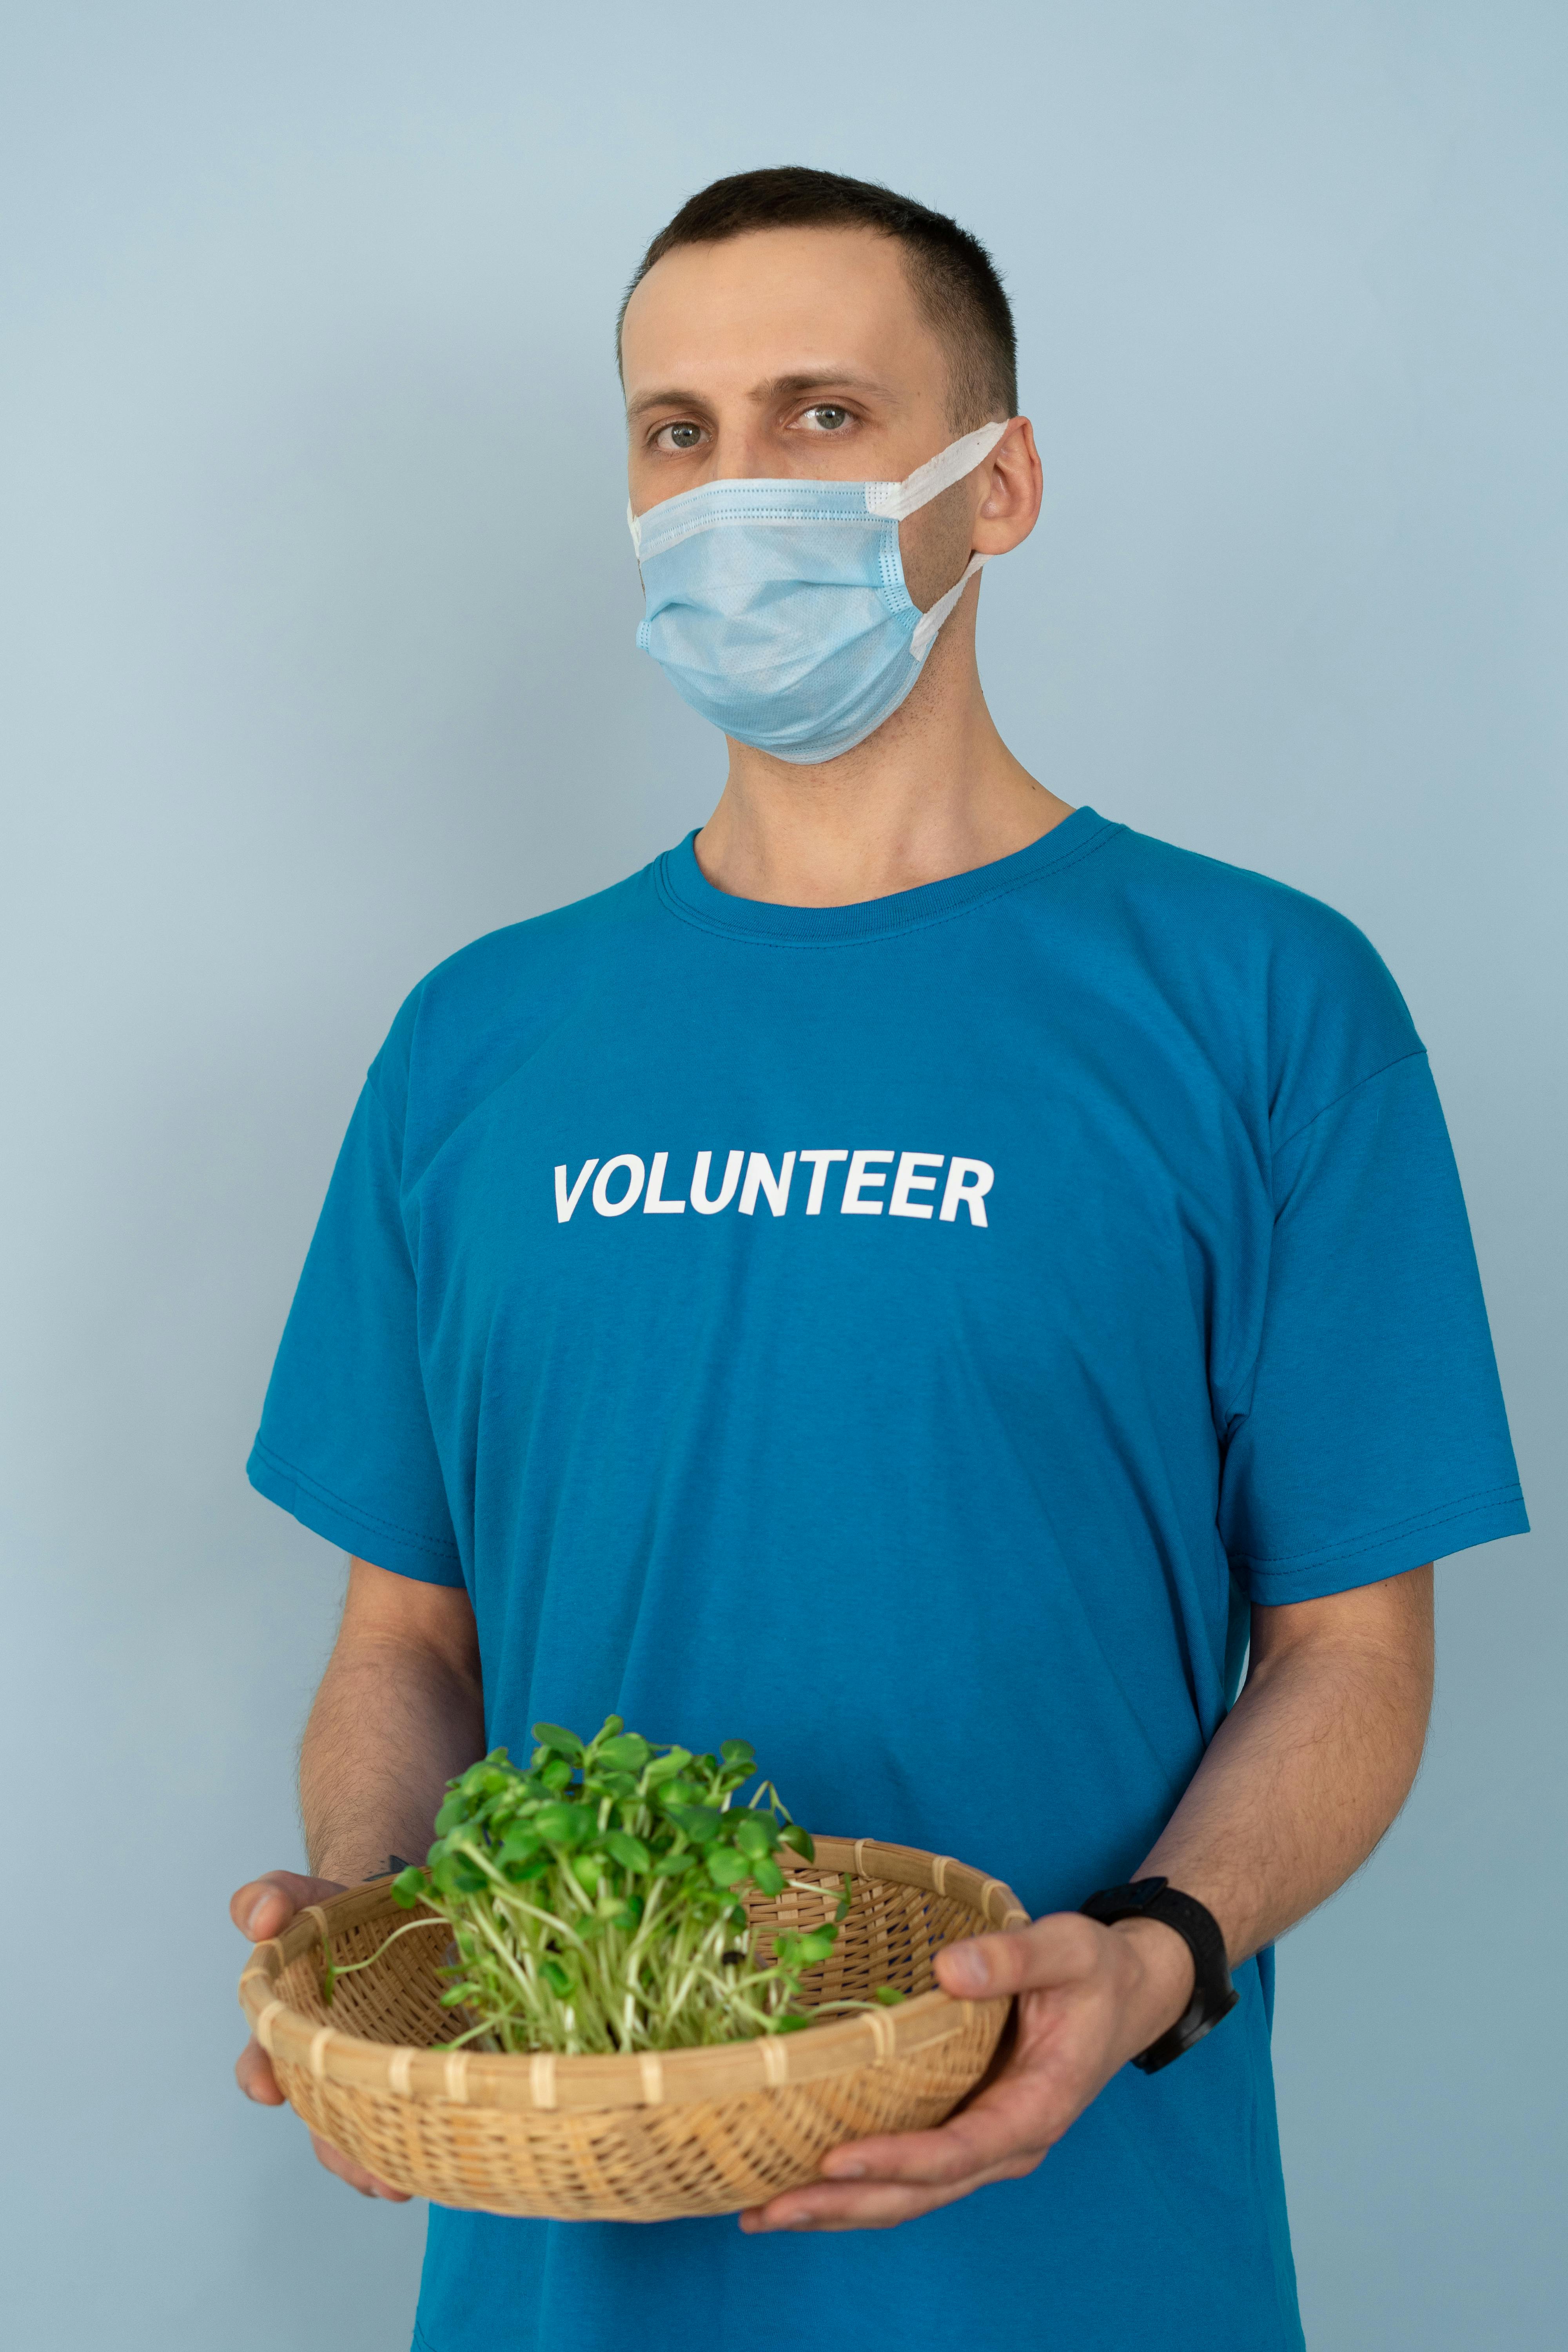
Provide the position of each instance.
(1213, 1995)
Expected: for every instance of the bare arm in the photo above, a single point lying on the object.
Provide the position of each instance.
(1311, 1764)
(1302, 1779)
(400, 1711)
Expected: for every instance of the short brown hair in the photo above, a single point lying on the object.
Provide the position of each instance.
(954, 276)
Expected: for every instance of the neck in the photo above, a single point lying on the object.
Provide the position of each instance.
(934, 792)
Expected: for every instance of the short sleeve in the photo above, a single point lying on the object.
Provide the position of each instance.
(345, 1442)
(1373, 1436)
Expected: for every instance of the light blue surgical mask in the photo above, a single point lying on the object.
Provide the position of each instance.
(778, 609)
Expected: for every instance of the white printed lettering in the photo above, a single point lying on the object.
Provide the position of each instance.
(906, 1181)
(654, 1203)
(601, 1201)
(760, 1175)
(699, 1200)
(819, 1163)
(971, 1194)
(565, 1202)
(855, 1181)
(969, 1182)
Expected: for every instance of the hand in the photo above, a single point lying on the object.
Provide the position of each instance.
(1088, 1998)
(264, 1908)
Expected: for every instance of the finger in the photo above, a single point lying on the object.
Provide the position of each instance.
(264, 1906)
(1053, 1950)
(252, 2072)
(1016, 2114)
(876, 2205)
(354, 2174)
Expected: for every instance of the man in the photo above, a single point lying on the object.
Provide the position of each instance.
(915, 1280)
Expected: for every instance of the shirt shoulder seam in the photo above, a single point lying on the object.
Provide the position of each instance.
(1416, 1054)
(374, 1090)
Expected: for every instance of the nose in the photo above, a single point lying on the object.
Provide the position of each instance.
(739, 452)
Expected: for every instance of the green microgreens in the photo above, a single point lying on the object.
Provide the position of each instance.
(595, 1899)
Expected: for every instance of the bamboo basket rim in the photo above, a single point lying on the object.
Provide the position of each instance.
(544, 2080)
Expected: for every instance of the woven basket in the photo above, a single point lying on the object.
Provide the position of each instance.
(640, 2139)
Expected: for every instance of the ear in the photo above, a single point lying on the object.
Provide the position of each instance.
(1011, 485)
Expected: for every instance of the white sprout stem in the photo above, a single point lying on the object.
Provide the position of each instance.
(347, 1968)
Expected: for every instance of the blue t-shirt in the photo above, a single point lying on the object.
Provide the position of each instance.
(906, 1336)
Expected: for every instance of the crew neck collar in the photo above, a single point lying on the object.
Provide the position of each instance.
(688, 892)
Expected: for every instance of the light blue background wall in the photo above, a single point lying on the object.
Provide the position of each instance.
(316, 660)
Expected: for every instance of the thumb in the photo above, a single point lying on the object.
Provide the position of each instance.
(265, 1906)
(1048, 1951)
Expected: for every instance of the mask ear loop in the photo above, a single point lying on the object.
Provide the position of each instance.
(928, 623)
(897, 499)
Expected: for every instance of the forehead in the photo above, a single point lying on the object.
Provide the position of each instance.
(774, 303)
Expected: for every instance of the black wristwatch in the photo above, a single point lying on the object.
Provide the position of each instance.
(393, 1862)
(1213, 1995)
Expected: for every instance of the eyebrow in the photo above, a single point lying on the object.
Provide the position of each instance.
(781, 387)
(819, 380)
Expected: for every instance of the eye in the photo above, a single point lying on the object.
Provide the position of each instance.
(682, 435)
(826, 418)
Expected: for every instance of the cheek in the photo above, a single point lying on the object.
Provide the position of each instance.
(935, 544)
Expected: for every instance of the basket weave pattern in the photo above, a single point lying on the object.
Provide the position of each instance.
(646, 2137)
